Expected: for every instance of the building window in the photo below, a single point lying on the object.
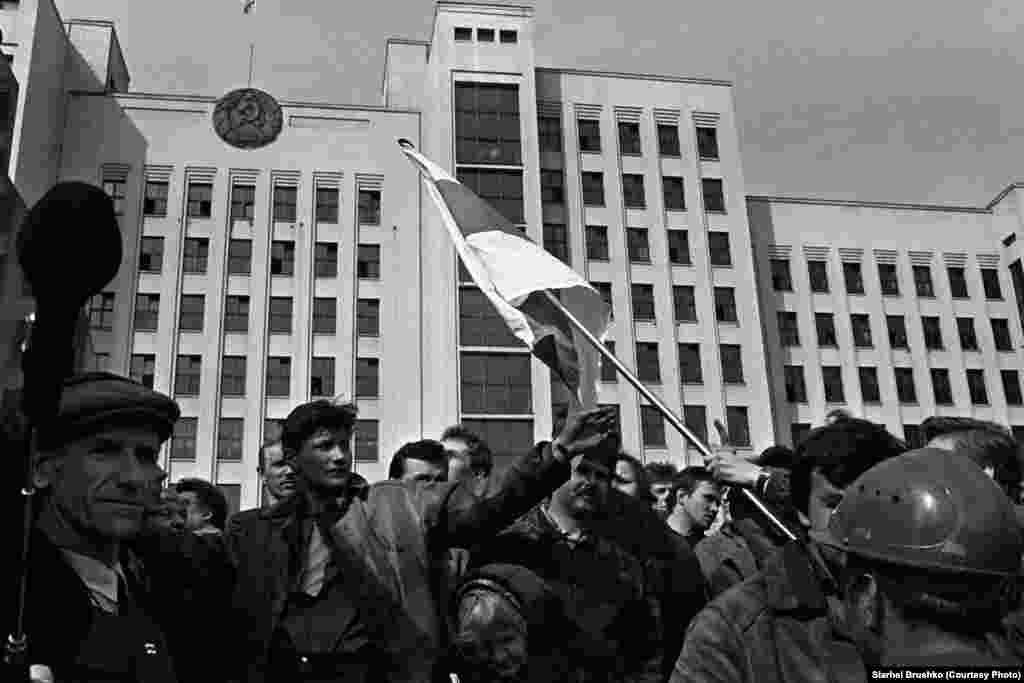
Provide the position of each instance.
(155, 201)
(368, 262)
(1011, 387)
(605, 290)
(463, 34)
(101, 312)
(941, 387)
(187, 376)
(629, 139)
(690, 368)
(668, 140)
(508, 36)
(732, 363)
(480, 324)
(923, 282)
(200, 200)
(789, 333)
(968, 339)
(280, 315)
(906, 392)
(282, 258)
(648, 366)
(869, 391)
(501, 189)
(897, 331)
(608, 371)
(633, 191)
(854, 278)
(912, 436)
(990, 281)
(369, 207)
(326, 260)
(679, 248)
(714, 195)
(738, 424)
(243, 202)
(643, 302)
(556, 241)
(487, 124)
(718, 243)
(796, 387)
(232, 376)
(285, 201)
(496, 383)
(196, 255)
(183, 441)
(684, 303)
(367, 317)
(367, 438)
(782, 279)
(367, 377)
(325, 315)
(957, 283)
(597, 242)
(236, 314)
(832, 377)
(932, 333)
(147, 311)
(326, 205)
(861, 325)
(696, 420)
(825, 326)
(652, 426)
(817, 272)
(976, 387)
(239, 257)
(707, 143)
(151, 254)
(321, 377)
(485, 35)
(552, 187)
(637, 246)
(593, 188)
(143, 369)
(590, 135)
(672, 191)
(115, 190)
(279, 376)
(549, 129)
(190, 318)
(798, 432)
(725, 305)
(1001, 334)
(888, 279)
(230, 434)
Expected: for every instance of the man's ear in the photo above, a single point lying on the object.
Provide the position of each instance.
(45, 470)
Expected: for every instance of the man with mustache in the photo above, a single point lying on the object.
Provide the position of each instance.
(660, 476)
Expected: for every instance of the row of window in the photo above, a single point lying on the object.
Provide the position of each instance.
(817, 271)
(860, 324)
(695, 417)
(633, 194)
(638, 248)
(648, 365)
(485, 35)
(630, 141)
(906, 390)
(684, 302)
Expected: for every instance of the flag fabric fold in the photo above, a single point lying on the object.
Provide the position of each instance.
(514, 273)
(247, 6)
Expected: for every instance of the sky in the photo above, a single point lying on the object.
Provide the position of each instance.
(911, 101)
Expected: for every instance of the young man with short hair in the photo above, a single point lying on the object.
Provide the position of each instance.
(696, 497)
(206, 507)
(424, 461)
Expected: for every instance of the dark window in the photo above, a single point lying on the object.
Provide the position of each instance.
(487, 124)
(897, 331)
(368, 262)
(147, 310)
(696, 420)
(608, 371)
(549, 129)
(552, 187)
(496, 383)
(672, 191)
(605, 290)
(326, 259)
(200, 200)
(326, 205)
(369, 207)
(593, 188)
(861, 325)
(718, 243)
(789, 332)
(191, 315)
(782, 279)
(714, 195)
(990, 280)
(232, 376)
(732, 364)
(196, 255)
(367, 438)
(652, 425)
(824, 324)
(597, 242)
(798, 432)
(668, 140)
(633, 191)
(796, 386)
(321, 377)
(968, 339)
(239, 257)
(485, 35)
(684, 303)
(501, 189)
(285, 202)
(738, 424)
(906, 392)
(725, 305)
(932, 332)
(143, 369)
(230, 435)
(325, 315)
(888, 279)
(648, 367)
(183, 441)
(556, 241)
(367, 377)
(187, 376)
(243, 202)
(279, 376)
(869, 391)
(707, 142)
(637, 245)
(1011, 387)
(236, 314)
(151, 254)
(832, 376)
(368, 317)
(507, 36)
(817, 272)
(282, 258)
(854, 278)
(115, 190)
(643, 302)
(923, 282)
(280, 315)
(941, 387)
(957, 283)
(1001, 334)
(590, 135)
(155, 201)
(912, 436)
(1018, 433)
(679, 247)
(1017, 278)
(976, 387)
(479, 322)
(690, 369)
(463, 34)
(629, 138)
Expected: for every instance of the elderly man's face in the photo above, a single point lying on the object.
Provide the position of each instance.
(278, 474)
(662, 492)
(325, 460)
(586, 492)
(625, 479)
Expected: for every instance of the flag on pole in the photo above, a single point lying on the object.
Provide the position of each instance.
(247, 6)
(514, 274)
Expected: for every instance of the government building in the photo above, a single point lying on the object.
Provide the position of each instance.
(260, 273)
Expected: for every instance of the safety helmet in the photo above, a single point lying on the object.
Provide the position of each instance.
(930, 509)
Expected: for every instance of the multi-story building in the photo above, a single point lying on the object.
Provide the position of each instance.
(256, 279)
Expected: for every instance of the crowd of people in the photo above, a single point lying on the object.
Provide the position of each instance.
(576, 564)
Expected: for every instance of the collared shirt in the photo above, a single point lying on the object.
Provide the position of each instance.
(100, 579)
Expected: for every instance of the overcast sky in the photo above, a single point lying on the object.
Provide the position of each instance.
(905, 100)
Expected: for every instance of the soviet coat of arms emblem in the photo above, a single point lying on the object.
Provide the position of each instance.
(247, 118)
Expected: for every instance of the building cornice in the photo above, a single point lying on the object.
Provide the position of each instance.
(487, 8)
(387, 56)
(91, 22)
(208, 99)
(1016, 185)
(868, 205)
(639, 77)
